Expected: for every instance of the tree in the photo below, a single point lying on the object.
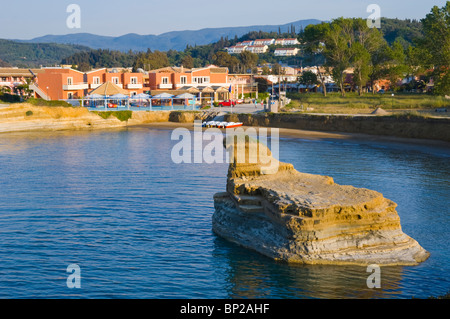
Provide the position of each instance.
(263, 84)
(248, 59)
(338, 43)
(361, 64)
(367, 41)
(396, 68)
(277, 69)
(187, 62)
(314, 37)
(151, 60)
(436, 44)
(224, 59)
(265, 70)
(308, 78)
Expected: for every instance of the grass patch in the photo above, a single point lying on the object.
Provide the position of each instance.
(120, 115)
(42, 102)
(410, 115)
(352, 103)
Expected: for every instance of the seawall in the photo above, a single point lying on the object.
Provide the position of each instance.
(398, 126)
(15, 118)
(25, 117)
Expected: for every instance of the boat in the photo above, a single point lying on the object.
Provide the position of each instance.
(219, 124)
(233, 124)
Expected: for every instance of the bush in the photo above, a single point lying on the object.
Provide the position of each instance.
(103, 115)
(42, 102)
(10, 98)
(120, 115)
(123, 115)
(29, 113)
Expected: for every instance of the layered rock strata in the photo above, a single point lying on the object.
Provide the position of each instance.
(303, 218)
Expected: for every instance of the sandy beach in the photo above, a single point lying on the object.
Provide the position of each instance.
(15, 119)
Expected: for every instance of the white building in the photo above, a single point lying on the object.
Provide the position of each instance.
(244, 43)
(257, 49)
(286, 52)
(236, 49)
(264, 42)
(283, 42)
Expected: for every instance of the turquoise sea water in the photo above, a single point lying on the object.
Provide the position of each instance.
(139, 226)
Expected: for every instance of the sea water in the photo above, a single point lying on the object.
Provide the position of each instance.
(139, 226)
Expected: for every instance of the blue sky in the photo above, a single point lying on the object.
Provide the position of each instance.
(28, 19)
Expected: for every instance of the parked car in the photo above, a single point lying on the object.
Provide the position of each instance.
(227, 103)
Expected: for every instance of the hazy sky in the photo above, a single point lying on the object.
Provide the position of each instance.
(27, 19)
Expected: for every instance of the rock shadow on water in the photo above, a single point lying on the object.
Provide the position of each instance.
(251, 275)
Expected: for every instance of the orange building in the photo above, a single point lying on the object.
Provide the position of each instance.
(66, 83)
(176, 77)
(210, 81)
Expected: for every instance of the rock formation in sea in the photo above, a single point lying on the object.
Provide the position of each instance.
(302, 218)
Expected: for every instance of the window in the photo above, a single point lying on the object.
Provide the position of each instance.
(198, 79)
(165, 80)
(96, 80)
(115, 80)
(183, 80)
(133, 93)
(70, 95)
(134, 80)
(69, 81)
(206, 79)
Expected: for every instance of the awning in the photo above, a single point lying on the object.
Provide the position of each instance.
(185, 96)
(118, 96)
(142, 96)
(108, 89)
(163, 96)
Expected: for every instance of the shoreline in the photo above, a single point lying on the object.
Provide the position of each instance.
(54, 119)
(419, 144)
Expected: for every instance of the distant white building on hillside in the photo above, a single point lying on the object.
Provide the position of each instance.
(257, 49)
(289, 41)
(286, 51)
(264, 42)
(236, 49)
(244, 43)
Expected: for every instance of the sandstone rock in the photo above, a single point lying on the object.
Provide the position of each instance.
(303, 218)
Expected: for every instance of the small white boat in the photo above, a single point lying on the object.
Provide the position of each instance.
(219, 124)
(233, 124)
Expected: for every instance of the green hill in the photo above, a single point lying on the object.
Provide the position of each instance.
(36, 54)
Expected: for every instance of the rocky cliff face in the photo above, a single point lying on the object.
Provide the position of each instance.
(304, 218)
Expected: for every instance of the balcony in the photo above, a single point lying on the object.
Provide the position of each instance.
(94, 86)
(134, 86)
(182, 85)
(76, 86)
(165, 86)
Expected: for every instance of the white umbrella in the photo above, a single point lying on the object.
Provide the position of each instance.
(94, 96)
(118, 96)
(163, 96)
(141, 96)
(185, 96)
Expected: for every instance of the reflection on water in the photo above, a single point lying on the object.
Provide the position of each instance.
(253, 276)
(139, 226)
